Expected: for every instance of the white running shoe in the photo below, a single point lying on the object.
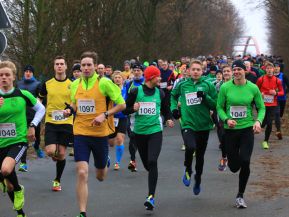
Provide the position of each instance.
(240, 203)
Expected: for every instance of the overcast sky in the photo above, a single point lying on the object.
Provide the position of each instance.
(255, 20)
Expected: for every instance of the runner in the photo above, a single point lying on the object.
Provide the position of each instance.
(197, 97)
(93, 123)
(146, 102)
(30, 83)
(138, 80)
(14, 132)
(280, 99)
(120, 123)
(58, 129)
(235, 108)
(270, 87)
(227, 75)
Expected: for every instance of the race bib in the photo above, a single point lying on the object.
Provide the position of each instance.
(58, 115)
(163, 85)
(192, 99)
(8, 130)
(86, 106)
(116, 120)
(268, 98)
(238, 111)
(147, 108)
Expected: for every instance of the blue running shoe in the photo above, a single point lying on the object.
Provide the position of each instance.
(40, 153)
(108, 162)
(186, 179)
(23, 167)
(150, 203)
(196, 189)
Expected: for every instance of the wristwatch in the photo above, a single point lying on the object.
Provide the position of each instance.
(32, 125)
(105, 114)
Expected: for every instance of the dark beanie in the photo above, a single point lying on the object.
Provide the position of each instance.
(239, 63)
(213, 68)
(28, 68)
(76, 67)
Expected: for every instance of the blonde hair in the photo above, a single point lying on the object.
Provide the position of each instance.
(195, 61)
(10, 65)
(116, 72)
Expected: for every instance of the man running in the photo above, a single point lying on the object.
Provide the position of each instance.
(14, 132)
(270, 87)
(92, 99)
(146, 102)
(58, 129)
(30, 83)
(197, 97)
(235, 108)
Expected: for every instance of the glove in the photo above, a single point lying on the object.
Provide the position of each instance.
(69, 107)
(201, 94)
(176, 114)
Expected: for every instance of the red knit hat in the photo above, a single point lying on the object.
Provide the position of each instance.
(151, 72)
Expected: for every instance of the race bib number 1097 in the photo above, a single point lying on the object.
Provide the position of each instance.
(86, 106)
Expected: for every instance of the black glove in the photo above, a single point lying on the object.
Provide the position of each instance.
(69, 107)
(176, 113)
(201, 94)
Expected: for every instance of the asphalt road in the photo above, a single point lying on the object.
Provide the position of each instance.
(123, 193)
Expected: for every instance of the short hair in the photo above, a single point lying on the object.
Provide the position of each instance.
(116, 72)
(195, 61)
(10, 65)
(60, 57)
(269, 64)
(108, 66)
(226, 66)
(90, 54)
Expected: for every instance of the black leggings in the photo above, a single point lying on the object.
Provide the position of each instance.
(279, 114)
(239, 146)
(195, 141)
(269, 116)
(149, 148)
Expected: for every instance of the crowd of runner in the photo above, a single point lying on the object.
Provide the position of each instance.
(94, 107)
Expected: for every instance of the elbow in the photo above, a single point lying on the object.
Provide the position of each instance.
(123, 107)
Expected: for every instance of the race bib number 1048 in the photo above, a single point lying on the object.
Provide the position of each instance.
(8, 130)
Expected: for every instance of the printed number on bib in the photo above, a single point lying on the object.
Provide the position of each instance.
(116, 120)
(163, 85)
(147, 108)
(238, 111)
(192, 99)
(86, 106)
(8, 130)
(57, 115)
(268, 98)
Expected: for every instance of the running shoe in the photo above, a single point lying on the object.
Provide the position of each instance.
(150, 203)
(132, 166)
(265, 145)
(3, 187)
(71, 153)
(40, 153)
(23, 167)
(116, 166)
(20, 215)
(108, 162)
(186, 178)
(183, 148)
(240, 203)
(56, 186)
(197, 189)
(279, 135)
(223, 164)
(80, 215)
(19, 199)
